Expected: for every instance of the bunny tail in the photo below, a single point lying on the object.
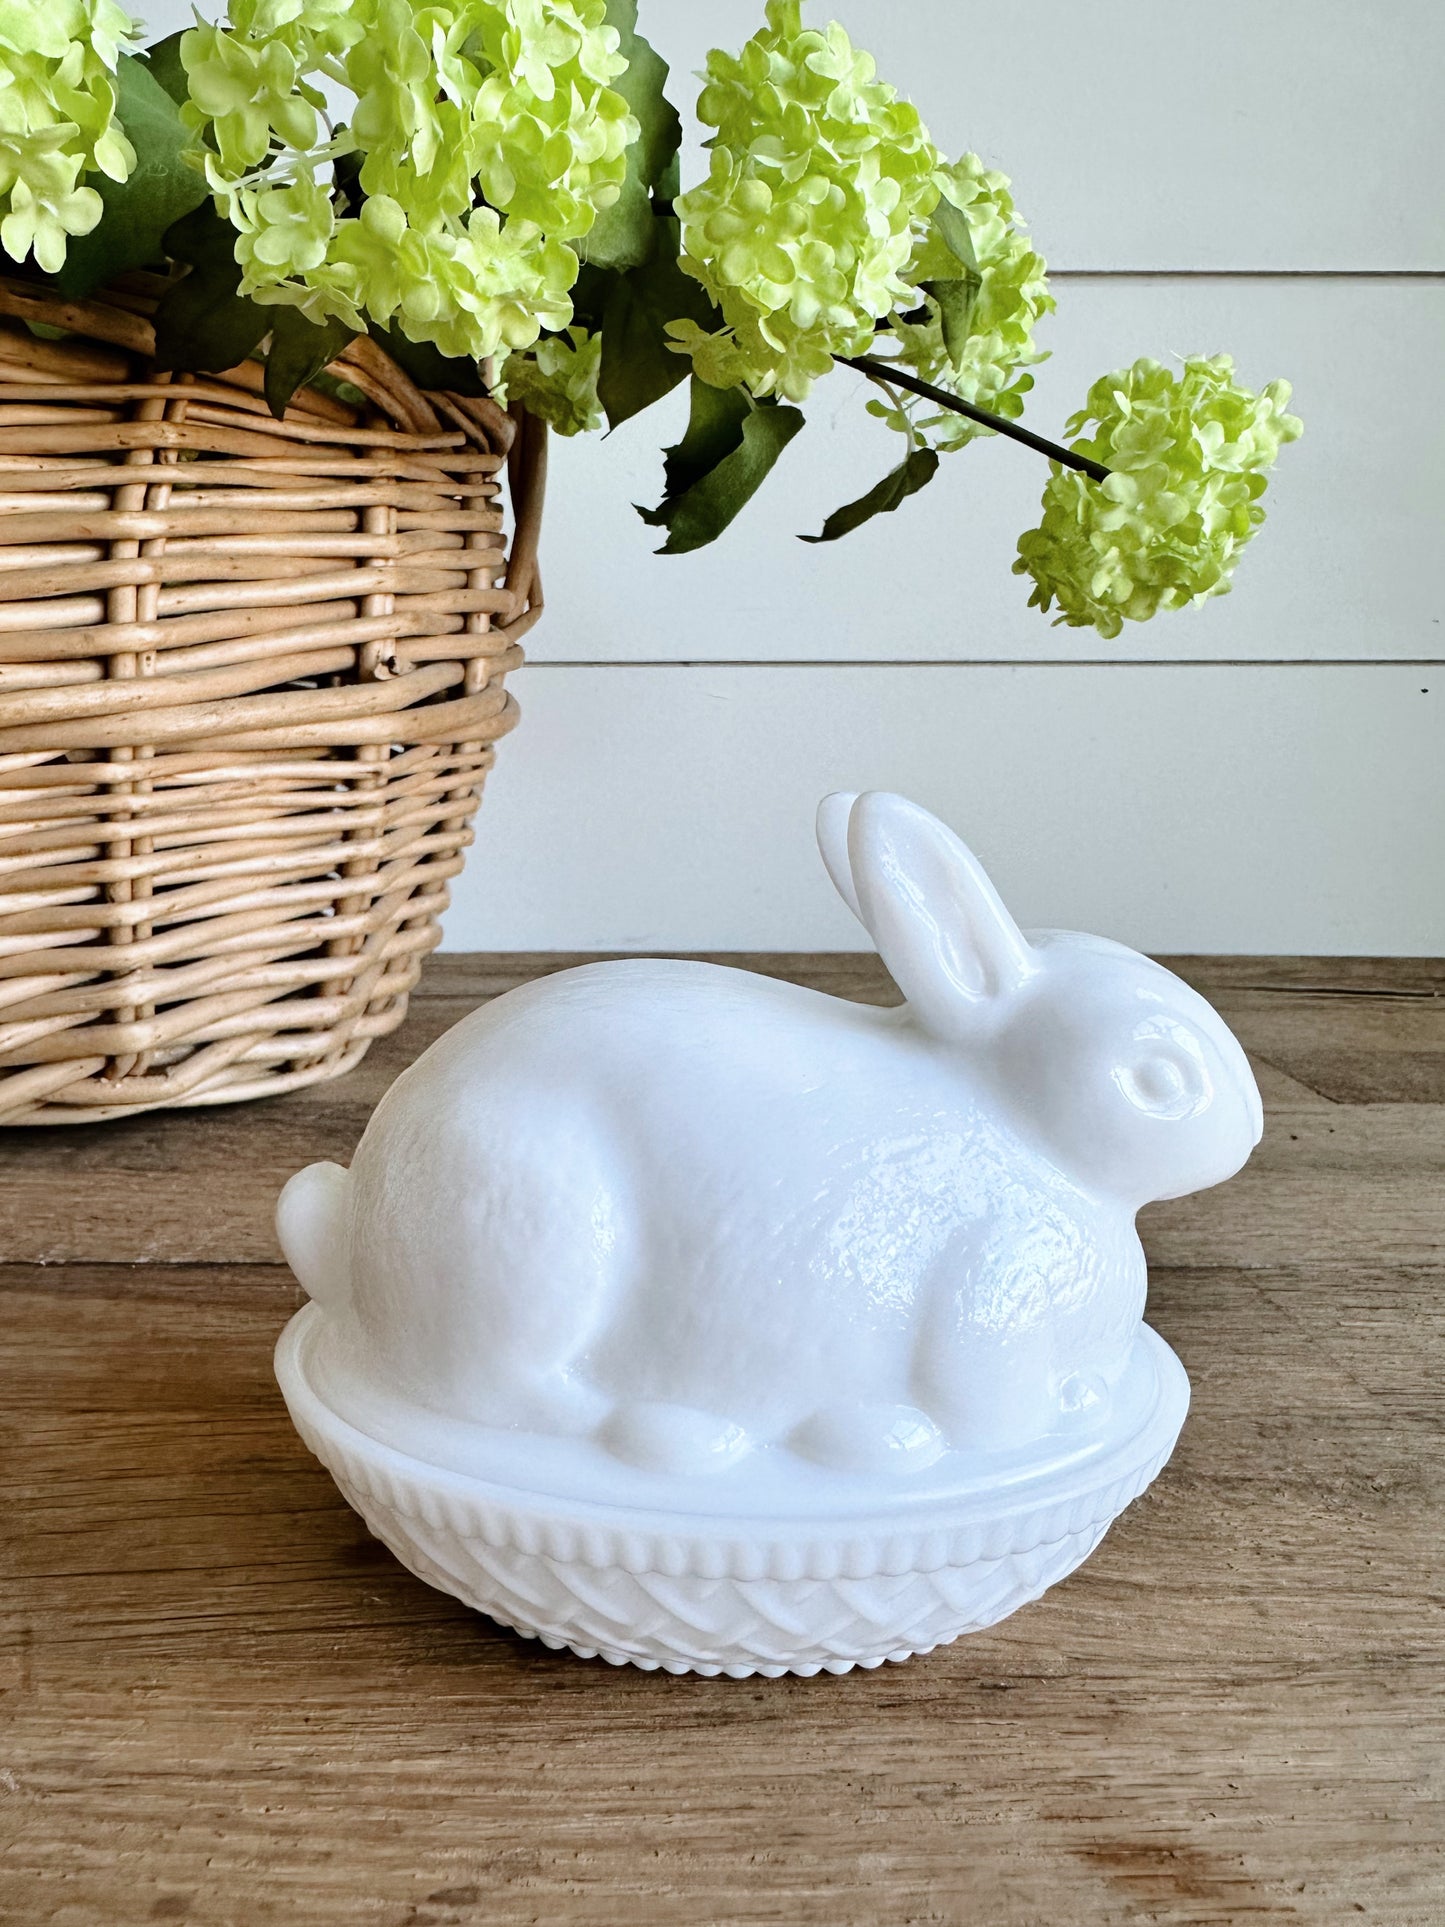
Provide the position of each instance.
(312, 1225)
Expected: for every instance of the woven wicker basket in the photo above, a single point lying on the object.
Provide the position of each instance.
(250, 679)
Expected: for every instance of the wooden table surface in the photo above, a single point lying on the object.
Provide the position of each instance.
(225, 1704)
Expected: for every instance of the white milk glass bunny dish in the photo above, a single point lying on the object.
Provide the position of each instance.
(678, 1314)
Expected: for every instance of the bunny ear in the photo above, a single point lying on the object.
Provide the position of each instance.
(939, 924)
(833, 814)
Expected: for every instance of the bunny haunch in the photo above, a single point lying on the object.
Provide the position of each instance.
(692, 1213)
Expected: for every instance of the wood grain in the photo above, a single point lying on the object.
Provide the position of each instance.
(225, 1704)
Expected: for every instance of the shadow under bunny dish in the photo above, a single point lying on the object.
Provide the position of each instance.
(660, 1274)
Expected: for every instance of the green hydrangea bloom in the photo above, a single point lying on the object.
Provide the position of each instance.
(803, 232)
(244, 92)
(557, 381)
(512, 96)
(551, 134)
(284, 230)
(57, 121)
(502, 285)
(1013, 294)
(512, 92)
(470, 287)
(1188, 454)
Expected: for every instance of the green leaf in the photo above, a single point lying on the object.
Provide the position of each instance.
(163, 186)
(621, 236)
(204, 324)
(703, 509)
(913, 473)
(589, 296)
(641, 86)
(639, 362)
(201, 236)
(714, 429)
(428, 366)
(669, 182)
(952, 225)
(299, 350)
(164, 61)
(638, 367)
(956, 303)
(346, 391)
(956, 296)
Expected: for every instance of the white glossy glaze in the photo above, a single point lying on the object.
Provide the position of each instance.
(652, 1577)
(684, 1215)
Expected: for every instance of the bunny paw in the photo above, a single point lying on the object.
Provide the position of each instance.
(854, 1437)
(671, 1438)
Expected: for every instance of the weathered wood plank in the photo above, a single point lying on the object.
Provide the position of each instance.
(224, 1704)
(228, 1704)
(1366, 1032)
(860, 973)
(1347, 1184)
(1334, 1029)
(1329, 1185)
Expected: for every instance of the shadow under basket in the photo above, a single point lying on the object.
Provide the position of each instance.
(251, 675)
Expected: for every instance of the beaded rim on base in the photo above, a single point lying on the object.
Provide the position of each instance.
(1016, 1516)
(251, 676)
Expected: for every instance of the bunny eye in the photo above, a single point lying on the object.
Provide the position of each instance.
(1165, 1083)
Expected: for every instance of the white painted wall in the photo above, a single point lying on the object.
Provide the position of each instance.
(1173, 806)
(1265, 774)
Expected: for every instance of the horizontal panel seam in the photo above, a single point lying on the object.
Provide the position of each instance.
(995, 662)
(1247, 274)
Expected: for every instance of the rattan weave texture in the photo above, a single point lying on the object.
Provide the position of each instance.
(251, 676)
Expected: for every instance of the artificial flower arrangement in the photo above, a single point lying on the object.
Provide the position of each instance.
(491, 188)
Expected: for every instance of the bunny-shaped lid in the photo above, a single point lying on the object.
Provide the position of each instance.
(664, 1225)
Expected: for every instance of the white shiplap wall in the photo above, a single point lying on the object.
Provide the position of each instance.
(1264, 774)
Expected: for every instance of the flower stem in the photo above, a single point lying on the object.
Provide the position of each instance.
(901, 378)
